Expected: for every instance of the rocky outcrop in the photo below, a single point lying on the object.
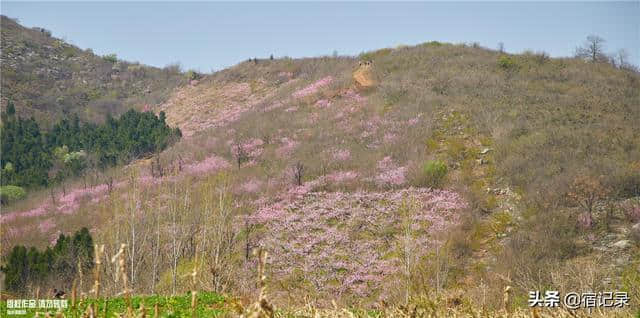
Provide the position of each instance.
(363, 76)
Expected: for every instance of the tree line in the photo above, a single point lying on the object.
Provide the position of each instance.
(28, 267)
(32, 157)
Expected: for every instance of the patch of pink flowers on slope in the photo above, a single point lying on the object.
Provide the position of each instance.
(336, 237)
(252, 148)
(46, 225)
(8, 217)
(371, 126)
(354, 96)
(212, 163)
(70, 202)
(389, 137)
(287, 147)
(313, 88)
(251, 186)
(390, 174)
(323, 103)
(67, 204)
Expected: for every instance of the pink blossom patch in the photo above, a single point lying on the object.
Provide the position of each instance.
(322, 103)
(389, 137)
(46, 225)
(390, 174)
(251, 186)
(148, 181)
(393, 177)
(342, 176)
(70, 202)
(212, 163)
(353, 95)
(336, 237)
(341, 154)
(287, 147)
(252, 148)
(313, 88)
(39, 211)
(370, 126)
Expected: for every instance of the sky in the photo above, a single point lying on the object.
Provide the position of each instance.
(209, 36)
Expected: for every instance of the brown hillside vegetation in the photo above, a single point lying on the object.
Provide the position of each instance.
(461, 172)
(48, 78)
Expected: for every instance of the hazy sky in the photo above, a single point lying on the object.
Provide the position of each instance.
(213, 35)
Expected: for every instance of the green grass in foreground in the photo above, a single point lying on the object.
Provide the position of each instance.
(209, 305)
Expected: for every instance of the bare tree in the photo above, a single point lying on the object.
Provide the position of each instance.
(500, 47)
(240, 153)
(622, 58)
(592, 49)
(248, 228)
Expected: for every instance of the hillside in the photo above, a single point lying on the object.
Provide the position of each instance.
(453, 172)
(48, 78)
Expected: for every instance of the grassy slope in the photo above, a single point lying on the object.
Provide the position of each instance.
(48, 78)
(513, 136)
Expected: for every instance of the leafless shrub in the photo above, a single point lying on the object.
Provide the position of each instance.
(298, 172)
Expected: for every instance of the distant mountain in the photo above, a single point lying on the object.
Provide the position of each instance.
(48, 78)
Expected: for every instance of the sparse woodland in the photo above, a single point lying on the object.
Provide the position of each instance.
(458, 181)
